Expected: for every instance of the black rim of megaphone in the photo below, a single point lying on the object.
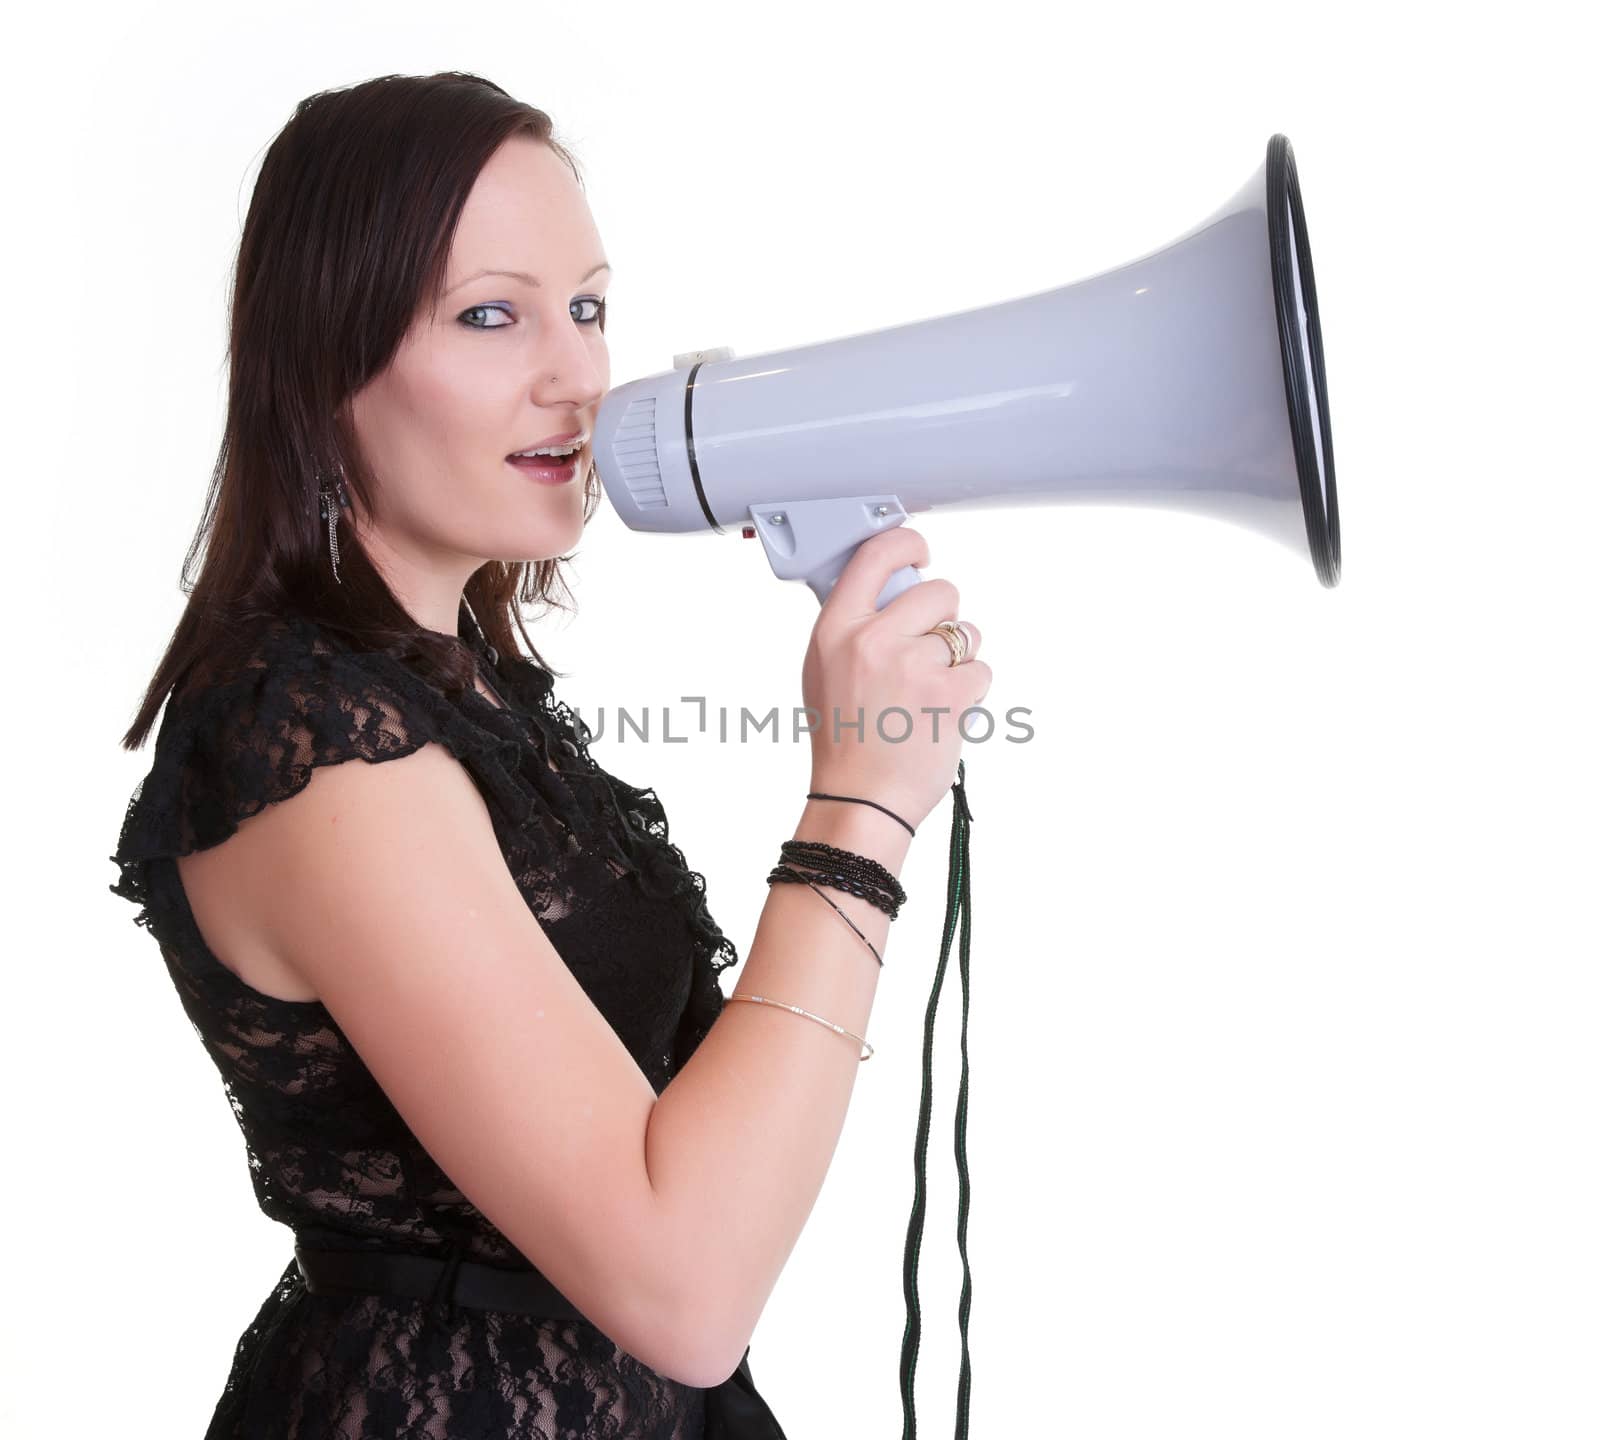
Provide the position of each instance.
(1322, 526)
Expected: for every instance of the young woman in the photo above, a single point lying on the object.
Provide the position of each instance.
(463, 996)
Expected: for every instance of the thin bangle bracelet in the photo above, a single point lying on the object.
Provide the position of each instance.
(795, 1009)
(852, 924)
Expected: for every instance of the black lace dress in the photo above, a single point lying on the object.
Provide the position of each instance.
(329, 1156)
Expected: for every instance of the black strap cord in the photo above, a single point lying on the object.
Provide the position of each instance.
(958, 905)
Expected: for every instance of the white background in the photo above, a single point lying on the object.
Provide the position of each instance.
(1281, 1120)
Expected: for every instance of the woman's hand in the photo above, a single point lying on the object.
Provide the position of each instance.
(862, 662)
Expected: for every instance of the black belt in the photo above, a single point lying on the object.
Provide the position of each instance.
(423, 1277)
(734, 1409)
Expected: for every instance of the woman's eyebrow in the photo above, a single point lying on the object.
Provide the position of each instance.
(532, 281)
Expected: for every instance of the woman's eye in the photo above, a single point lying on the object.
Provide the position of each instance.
(596, 317)
(482, 310)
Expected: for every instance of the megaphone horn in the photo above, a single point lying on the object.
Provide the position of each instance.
(1191, 378)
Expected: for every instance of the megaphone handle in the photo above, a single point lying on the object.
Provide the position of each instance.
(813, 540)
(897, 584)
(901, 581)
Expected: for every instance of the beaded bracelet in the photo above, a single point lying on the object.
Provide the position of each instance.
(881, 887)
(847, 860)
(782, 873)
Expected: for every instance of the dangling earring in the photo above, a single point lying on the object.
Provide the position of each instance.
(330, 513)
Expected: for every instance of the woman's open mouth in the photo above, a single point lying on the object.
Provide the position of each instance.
(546, 469)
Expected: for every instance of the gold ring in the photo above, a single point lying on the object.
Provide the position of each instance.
(955, 637)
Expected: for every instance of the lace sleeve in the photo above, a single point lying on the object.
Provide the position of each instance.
(227, 750)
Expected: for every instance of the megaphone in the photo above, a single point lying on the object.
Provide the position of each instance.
(1191, 378)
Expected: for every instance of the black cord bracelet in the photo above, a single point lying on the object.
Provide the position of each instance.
(857, 800)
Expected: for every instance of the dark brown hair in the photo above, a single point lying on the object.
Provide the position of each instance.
(347, 237)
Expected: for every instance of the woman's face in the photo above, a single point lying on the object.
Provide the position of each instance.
(499, 366)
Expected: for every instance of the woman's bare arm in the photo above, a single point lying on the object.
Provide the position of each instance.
(741, 1139)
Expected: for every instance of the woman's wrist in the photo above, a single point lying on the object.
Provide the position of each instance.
(861, 828)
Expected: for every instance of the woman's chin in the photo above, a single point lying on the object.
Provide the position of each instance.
(549, 540)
